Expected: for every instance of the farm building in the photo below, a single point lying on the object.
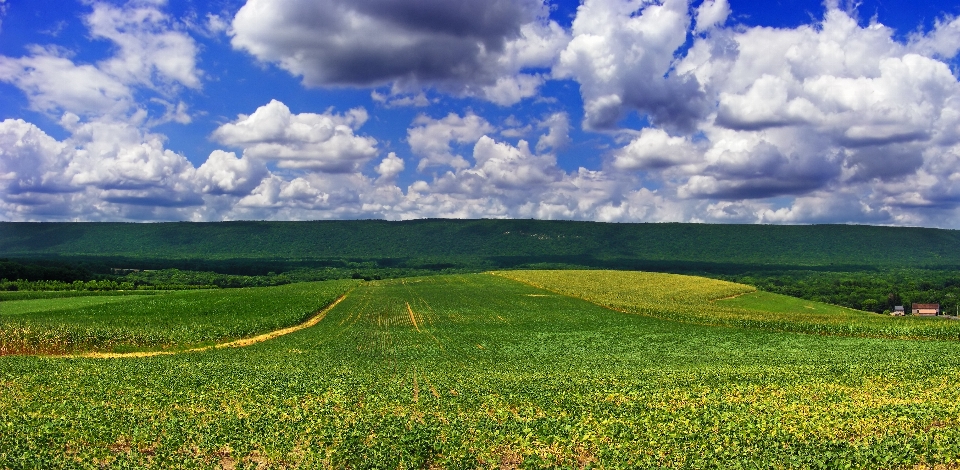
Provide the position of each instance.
(898, 311)
(926, 309)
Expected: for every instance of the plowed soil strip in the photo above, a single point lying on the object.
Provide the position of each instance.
(232, 344)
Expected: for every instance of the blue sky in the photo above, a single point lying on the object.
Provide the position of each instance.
(719, 111)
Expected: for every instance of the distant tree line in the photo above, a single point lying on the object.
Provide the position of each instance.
(872, 291)
(176, 279)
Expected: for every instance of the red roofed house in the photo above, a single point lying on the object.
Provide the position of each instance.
(926, 309)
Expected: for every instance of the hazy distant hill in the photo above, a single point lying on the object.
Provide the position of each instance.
(496, 243)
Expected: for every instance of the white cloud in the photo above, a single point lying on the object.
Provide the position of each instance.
(508, 167)
(431, 138)
(943, 41)
(510, 181)
(324, 142)
(400, 100)
(710, 14)
(558, 135)
(151, 51)
(216, 24)
(54, 84)
(224, 173)
(30, 160)
(390, 167)
(817, 113)
(104, 171)
(620, 53)
(655, 149)
(511, 90)
(129, 164)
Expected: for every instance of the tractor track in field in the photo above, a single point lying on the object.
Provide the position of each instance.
(239, 343)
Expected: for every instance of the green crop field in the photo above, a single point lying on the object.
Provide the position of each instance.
(166, 320)
(483, 371)
(33, 306)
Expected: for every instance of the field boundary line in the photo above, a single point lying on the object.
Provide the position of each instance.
(239, 343)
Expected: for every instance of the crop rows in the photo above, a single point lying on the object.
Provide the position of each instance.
(719, 303)
(480, 371)
(169, 320)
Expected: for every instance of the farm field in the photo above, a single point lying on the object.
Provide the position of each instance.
(164, 320)
(483, 371)
(712, 302)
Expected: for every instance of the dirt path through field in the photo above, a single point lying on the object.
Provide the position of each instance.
(231, 344)
(412, 317)
(734, 296)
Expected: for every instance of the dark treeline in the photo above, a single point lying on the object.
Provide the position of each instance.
(40, 270)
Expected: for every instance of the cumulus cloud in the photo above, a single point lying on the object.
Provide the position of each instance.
(819, 113)
(100, 167)
(505, 180)
(465, 45)
(620, 54)
(129, 165)
(431, 139)
(224, 173)
(31, 160)
(324, 142)
(390, 167)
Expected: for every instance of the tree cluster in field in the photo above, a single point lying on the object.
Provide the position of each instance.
(176, 279)
(876, 291)
(95, 285)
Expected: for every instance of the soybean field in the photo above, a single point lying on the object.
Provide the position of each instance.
(485, 371)
(162, 320)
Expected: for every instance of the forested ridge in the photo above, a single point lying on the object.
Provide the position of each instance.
(497, 242)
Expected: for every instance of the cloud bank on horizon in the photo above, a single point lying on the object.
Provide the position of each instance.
(607, 110)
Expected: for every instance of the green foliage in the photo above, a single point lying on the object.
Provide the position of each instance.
(60, 294)
(481, 371)
(33, 306)
(101, 285)
(43, 271)
(170, 320)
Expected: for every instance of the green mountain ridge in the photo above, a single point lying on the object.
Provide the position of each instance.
(497, 243)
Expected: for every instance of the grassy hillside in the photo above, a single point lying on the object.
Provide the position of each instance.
(483, 244)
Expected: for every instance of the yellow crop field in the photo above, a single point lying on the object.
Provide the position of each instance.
(703, 301)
